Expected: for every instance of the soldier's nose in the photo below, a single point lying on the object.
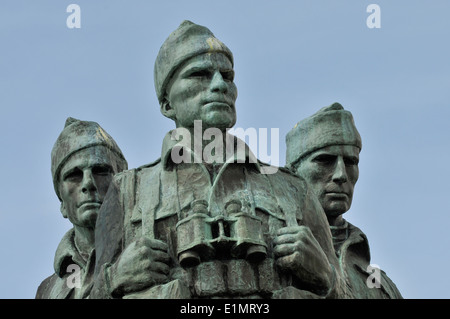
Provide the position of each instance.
(88, 183)
(218, 84)
(340, 173)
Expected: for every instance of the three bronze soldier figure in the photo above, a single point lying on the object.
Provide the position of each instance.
(204, 222)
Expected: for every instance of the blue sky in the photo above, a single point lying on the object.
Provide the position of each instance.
(291, 58)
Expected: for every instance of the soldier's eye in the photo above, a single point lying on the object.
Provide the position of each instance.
(102, 170)
(349, 161)
(228, 75)
(73, 175)
(324, 159)
(199, 73)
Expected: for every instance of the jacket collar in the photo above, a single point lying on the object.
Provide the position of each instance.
(241, 153)
(356, 240)
(66, 254)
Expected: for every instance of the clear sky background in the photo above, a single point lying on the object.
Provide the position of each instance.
(291, 58)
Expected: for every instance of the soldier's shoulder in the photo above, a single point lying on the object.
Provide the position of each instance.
(46, 286)
(285, 170)
(280, 172)
(149, 168)
(139, 170)
(150, 165)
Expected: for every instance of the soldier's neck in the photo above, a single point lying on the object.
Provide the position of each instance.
(210, 147)
(335, 220)
(84, 240)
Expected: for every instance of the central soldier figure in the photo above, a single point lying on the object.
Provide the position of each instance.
(216, 223)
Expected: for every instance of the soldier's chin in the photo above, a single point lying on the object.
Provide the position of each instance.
(90, 217)
(219, 119)
(336, 208)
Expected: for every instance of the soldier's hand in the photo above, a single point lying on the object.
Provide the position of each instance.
(298, 252)
(142, 264)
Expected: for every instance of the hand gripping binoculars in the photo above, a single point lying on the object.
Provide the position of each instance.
(236, 234)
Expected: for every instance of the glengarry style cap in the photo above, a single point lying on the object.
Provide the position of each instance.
(76, 136)
(187, 41)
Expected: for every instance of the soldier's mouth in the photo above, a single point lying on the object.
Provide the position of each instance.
(339, 195)
(217, 105)
(90, 203)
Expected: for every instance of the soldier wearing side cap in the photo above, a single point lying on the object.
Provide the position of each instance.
(210, 225)
(83, 160)
(324, 149)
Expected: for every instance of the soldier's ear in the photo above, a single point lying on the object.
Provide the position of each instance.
(63, 210)
(167, 110)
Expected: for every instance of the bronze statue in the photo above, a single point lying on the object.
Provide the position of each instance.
(84, 160)
(202, 222)
(324, 149)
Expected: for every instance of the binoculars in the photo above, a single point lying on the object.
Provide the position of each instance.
(236, 233)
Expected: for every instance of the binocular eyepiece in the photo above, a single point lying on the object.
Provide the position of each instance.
(200, 236)
(193, 235)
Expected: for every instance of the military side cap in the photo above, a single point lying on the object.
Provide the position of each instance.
(331, 125)
(76, 136)
(187, 41)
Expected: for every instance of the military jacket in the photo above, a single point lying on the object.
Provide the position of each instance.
(156, 201)
(354, 258)
(63, 284)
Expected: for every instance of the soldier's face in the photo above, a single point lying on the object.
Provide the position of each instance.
(203, 89)
(84, 181)
(332, 173)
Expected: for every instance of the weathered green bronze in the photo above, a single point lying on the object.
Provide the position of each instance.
(324, 149)
(207, 219)
(84, 160)
(201, 223)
